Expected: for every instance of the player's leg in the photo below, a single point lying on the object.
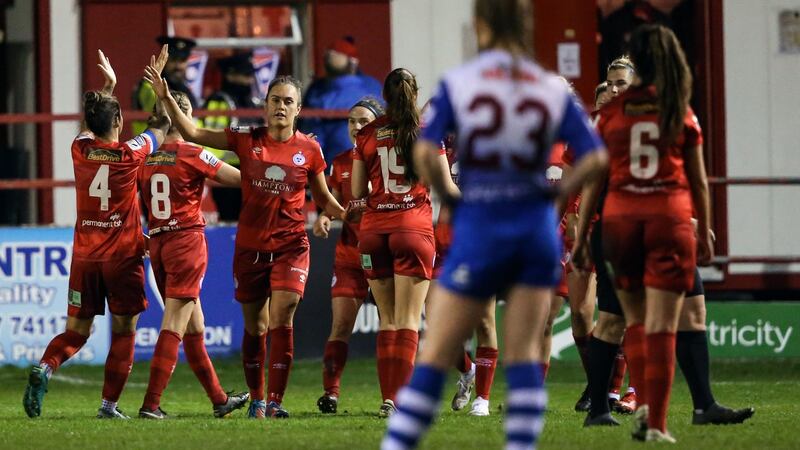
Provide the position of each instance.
(177, 312)
(547, 339)
(282, 306)
(453, 319)
(463, 363)
(581, 305)
(86, 298)
(347, 295)
(485, 360)
(194, 348)
(691, 351)
(124, 280)
(526, 312)
(251, 272)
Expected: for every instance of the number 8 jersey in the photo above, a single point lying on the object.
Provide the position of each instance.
(108, 224)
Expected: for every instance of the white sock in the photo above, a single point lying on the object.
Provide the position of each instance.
(108, 405)
(48, 371)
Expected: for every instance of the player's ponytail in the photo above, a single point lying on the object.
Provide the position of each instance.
(99, 112)
(660, 61)
(400, 92)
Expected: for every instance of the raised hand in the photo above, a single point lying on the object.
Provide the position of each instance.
(161, 61)
(108, 72)
(322, 226)
(153, 76)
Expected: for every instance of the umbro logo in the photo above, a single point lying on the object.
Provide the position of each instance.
(256, 150)
(345, 174)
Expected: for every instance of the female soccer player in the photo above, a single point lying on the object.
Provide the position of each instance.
(107, 254)
(172, 181)
(396, 231)
(271, 258)
(656, 175)
(349, 285)
(509, 111)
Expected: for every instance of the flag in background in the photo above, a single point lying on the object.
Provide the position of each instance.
(195, 68)
(265, 63)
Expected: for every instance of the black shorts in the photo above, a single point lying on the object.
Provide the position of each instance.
(697, 287)
(607, 300)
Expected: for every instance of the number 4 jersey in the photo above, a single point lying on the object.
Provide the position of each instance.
(172, 181)
(108, 224)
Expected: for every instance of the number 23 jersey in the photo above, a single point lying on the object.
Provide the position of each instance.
(393, 203)
(108, 224)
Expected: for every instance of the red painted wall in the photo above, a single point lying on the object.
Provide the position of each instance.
(368, 21)
(558, 21)
(126, 32)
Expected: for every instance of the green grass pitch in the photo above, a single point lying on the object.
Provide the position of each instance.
(67, 422)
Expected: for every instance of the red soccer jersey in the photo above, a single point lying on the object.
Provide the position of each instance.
(347, 248)
(107, 225)
(393, 204)
(274, 177)
(640, 162)
(172, 181)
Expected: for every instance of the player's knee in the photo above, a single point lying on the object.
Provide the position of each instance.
(693, 314)
(341, 329)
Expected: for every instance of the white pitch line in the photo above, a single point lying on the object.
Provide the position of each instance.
(86, 382)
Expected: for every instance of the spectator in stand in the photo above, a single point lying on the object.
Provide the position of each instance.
(342, 86)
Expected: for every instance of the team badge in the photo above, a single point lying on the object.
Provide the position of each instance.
(298, 159)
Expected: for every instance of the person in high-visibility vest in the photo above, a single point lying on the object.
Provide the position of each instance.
(144, 99)
(237, 91)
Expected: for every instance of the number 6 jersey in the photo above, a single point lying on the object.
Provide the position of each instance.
(108, 224)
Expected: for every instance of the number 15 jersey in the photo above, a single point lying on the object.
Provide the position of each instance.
(108, 225)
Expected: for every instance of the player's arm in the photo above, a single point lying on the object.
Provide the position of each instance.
(323, 197)
(590, 153)
(190, 132)
(698, 185)
(227, 175)
(322, 226)
(433, 167)
(358, 179)
(590, 195)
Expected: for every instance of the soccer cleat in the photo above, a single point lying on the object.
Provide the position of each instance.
(157, 414)
(480, 407)
(327, 404)
(234, 402)
(387, 409)
(464, 387)
(717, 414)
(654, 435)
(34, 392)
(115, 413)
(257, 409)
(639, 432)
(603, 420)
(584, 403)
(276, 411)
(627, 404)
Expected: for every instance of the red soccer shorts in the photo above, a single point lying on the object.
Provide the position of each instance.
(179, 260)
(120, 281)
(349, 282)
(384, 255)
(256, 274)
(442, 235)
(653, 251)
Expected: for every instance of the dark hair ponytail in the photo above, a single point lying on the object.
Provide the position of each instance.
(400, 92)
(660, 61)
(99, 112)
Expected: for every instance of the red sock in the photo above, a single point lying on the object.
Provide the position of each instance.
(281, 355)
(162, 365)
(254, 354)
(485, 362)
(635, 347)
(384, 351)
(196, 355)
(404, 356)
(464, 363)
(618, 376)
(582, 344)
(62, 347)
(659, 372)
(118, 365)
(333, 362)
